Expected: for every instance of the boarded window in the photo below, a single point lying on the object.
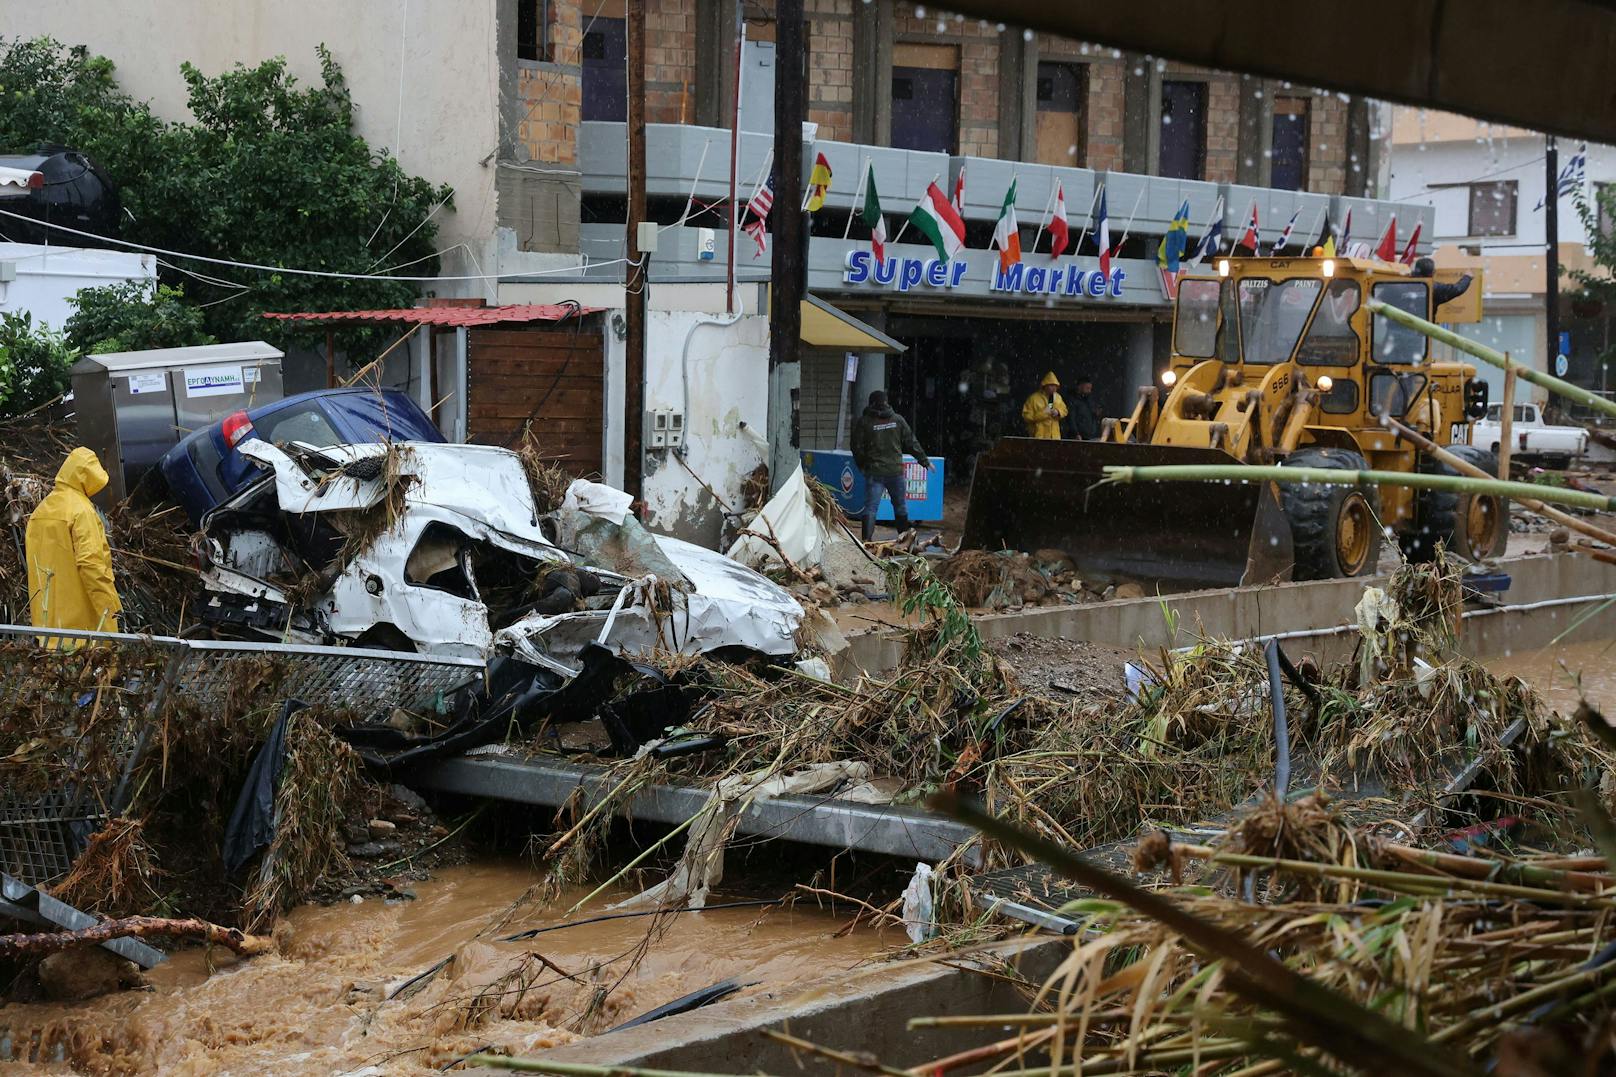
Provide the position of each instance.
(1062, 93)
(533, 40)
(1290, 143)
(1183, 130)
(551, 377)
(925, 97)
(1492, 208)
(605, 69)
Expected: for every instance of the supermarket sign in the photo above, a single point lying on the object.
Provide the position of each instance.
(1069, 281)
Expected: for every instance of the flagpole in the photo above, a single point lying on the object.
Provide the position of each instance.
(1319, 223)
(858, 194)
(734, 164)
(1049, 202)
(905, 226)
(1094, 201)
(1126, 232)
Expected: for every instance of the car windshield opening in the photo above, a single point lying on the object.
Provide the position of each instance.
(1272, 316)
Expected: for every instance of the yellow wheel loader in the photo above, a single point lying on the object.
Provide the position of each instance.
(1275, 360)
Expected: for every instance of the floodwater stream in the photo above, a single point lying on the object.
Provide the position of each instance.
(1566, 673)
(325, 1003)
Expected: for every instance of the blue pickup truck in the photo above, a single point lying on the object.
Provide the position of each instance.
(205, 468)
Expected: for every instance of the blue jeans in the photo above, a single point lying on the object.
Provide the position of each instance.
(893, 486)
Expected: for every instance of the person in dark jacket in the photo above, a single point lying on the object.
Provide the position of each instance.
(1084, 411)
(880, 438)
(1440, 293)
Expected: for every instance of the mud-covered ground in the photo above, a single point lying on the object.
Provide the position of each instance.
(1046, 665)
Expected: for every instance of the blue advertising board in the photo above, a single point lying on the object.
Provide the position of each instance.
(924, 489)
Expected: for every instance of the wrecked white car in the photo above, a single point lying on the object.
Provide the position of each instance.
(441, 549)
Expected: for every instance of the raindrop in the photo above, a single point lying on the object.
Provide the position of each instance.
(1000, 27)
(1167, 119)
(982, 24)
(958, 17)
(1161, 65)
(942, 26)
(1116, 54)
(1138, 71)
(1071, 151)
(1268, 153)
(1256, 93)
(1324, 145)
(920, 12)
(1250, 162)
(1026, 35)
(1084, 48)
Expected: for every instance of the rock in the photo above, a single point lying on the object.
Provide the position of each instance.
(1559, 537)
(801, 590)
(380, 829)
(368, 850)
(1107, 594)
(823, 594)
(355, 834)
(407, 798)
(86, 972)
(858, 598)
(1129, 590)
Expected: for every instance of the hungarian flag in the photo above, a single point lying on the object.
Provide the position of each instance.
(959, 192)
(872, 217)
(1326, 240)
(1248, 235)
(818, 184)
(1171, 251)
(1059, 232)
(936, 219)
(1387, 250)
(1102, 236)
(1411, 248)
(1006, 234)
(1284, 239)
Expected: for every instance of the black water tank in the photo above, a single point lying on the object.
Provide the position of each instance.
(76, 194)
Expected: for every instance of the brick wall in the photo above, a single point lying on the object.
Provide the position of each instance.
(830, 67)
(978, 44)
(550, 94)
(670, 60)
(1327, 144)
(1102, 145)
(1222, 117)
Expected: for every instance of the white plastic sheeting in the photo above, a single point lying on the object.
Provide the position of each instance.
(789, 519)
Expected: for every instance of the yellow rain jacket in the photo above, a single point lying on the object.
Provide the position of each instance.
(69, 563)
(1035, 412)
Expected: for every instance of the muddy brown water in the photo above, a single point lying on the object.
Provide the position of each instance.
(1566, 673)
(320, 1005)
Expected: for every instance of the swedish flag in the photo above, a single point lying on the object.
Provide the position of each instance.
(1171, 251)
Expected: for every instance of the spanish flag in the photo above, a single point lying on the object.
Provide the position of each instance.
(818, 183)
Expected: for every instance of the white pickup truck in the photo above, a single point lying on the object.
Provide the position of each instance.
(1551, 446)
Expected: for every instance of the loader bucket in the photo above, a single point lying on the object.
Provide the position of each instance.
(1032, 494)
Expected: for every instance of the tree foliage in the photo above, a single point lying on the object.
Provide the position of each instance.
(130, 317)
(269, 171)
(34, 364)
(1598, 287)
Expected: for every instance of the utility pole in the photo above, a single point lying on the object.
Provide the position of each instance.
(787, 270)
(1551, 240)
(634, 275)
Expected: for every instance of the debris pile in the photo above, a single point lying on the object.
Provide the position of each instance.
(1008, 579)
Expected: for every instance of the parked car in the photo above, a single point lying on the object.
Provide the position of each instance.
(1551, 446)
(206, 468)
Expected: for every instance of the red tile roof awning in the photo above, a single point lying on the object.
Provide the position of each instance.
(452, 317)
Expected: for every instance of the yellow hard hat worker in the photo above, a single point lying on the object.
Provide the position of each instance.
(69, 563)
(1044, 410)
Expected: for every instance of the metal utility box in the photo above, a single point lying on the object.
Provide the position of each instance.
(133, 407)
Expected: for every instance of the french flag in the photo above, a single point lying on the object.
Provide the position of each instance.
(1102, 237)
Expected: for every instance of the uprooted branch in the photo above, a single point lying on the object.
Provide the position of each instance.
(49, 942)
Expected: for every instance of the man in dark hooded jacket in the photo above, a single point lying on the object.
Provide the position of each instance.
(880, 438)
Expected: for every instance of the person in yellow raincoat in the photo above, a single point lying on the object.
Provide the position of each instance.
(1045, 409)
(69, 563)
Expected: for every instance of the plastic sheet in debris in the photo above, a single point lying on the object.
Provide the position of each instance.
(789, 519)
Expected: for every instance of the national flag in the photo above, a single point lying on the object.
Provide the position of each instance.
(1326, 240)
(872, 217)
(1213, 239)
(1410, 250)
(1006, 234)
(959, 192)
(1060, 232)
(1248, 234)
(1284, 239)
(818, 183)
(936, 219)
(758, 209)
(1387, 249)
(1345, 238)
(1171, 251)
(1102, 236)
(1571, 176)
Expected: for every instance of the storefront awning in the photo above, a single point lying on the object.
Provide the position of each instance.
(823, 326)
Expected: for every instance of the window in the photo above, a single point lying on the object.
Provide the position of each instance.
(1393, 393)
(1183, 130)
(1195, 329)
(1289, 171)
(307, 425)
(533, 31)
(1392, 341)
(605, 70)
(1492, 208)
(1062, 92)
(1272, 314)
(1331, 340)
(925, 97)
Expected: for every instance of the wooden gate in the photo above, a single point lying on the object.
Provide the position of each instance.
(551, 376)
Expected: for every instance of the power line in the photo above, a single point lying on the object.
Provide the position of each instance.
(315, 272)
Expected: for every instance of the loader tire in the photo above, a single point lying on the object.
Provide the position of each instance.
(1474, 526)
(1335, 530)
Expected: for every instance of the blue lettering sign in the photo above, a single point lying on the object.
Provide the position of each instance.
(936, 273)
(1096, 284)
(957, 275)
(1009, 280)
(858, 267)
(886, 271)
(911, 273)
(1074, 282)
(1116, 282)
(1037, 277)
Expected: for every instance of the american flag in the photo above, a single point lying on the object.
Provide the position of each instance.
(758, 211)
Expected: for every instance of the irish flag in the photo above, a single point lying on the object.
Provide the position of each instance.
(1006, 235)
(872, 217)
(939, 222)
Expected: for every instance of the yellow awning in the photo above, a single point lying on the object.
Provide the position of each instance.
(823, 326)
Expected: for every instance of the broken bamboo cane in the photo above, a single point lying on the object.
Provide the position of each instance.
(49, 942)
(1324, 476)
(1464, 467)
